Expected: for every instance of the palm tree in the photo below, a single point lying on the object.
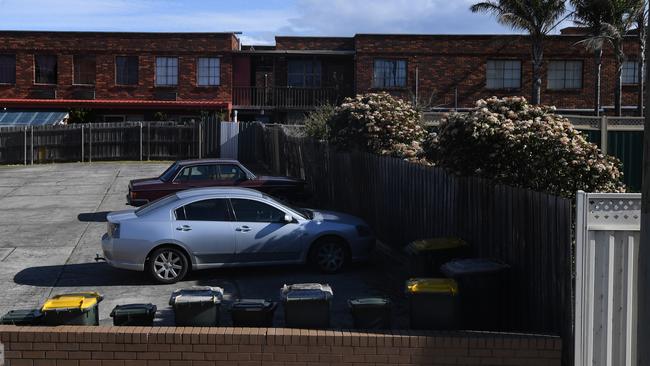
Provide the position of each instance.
(537, 17)
(642, 29)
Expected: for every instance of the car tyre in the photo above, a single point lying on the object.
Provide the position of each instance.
(168, 265)
(329, 255)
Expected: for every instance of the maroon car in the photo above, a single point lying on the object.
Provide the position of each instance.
(186, 174)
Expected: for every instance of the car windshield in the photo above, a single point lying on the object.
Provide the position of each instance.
(169, 173)
(155, 204)
(302, 212)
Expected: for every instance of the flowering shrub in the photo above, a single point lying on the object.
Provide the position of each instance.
(515, 143)
(379, 124)
(316, 122)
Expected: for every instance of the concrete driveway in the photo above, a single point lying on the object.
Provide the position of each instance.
(53, 216)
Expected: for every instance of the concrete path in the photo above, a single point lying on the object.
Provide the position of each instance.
(53, 216)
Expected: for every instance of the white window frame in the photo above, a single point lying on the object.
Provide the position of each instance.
(552, 67)
(213, 70)
(385, 69)
(165, 67)
(625, 79)
(503, 74)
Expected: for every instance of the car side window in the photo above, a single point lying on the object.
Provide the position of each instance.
(196, 173)
(205, 210)
(230, 172)
(255, 211)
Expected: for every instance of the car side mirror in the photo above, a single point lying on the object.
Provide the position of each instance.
(288, 218)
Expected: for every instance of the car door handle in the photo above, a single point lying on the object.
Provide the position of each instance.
(184, 228)
(243, 229)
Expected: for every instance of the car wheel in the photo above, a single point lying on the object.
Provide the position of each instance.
(329, 255)
(168, 265)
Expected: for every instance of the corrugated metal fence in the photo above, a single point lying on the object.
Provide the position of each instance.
(403, 201)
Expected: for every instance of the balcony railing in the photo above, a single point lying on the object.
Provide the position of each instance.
(282, 97)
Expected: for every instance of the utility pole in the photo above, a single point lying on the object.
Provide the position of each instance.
(643, 282)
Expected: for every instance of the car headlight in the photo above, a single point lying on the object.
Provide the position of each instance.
(363, 231)
(113, 230)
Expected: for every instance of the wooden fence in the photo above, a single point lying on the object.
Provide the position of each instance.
(109, 141)
(403, 201)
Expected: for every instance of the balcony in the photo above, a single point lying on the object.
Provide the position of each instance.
(245, 97)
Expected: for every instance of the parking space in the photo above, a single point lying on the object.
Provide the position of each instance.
(53, 216)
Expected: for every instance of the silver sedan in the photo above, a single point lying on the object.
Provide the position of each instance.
(224, 227)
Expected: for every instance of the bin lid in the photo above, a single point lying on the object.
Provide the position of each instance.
(252, 304)
(197, 294)
(22, 315)
(472, 266)
(431, 286)
(306, 291)
(369, 302)
(433, 244)
(77, 300)
(133, 309)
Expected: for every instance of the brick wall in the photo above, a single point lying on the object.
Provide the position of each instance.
(105, 46)
(314, 43)
(446, 63)
(169, 346)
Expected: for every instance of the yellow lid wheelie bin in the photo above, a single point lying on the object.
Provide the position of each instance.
(79, 308)
(433, 303)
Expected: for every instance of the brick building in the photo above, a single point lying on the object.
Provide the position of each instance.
(136, 76)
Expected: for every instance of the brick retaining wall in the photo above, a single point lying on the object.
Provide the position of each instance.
(172, 346)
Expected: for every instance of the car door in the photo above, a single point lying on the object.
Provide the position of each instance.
(231, 175)
(206, 229)
(261, 233)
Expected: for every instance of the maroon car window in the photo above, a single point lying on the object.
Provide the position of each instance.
(206, 210)
(197, 173)
(231, 172)
(254, 211)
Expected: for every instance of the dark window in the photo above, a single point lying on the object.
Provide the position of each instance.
(564, 75)
(166, 71)
(389, 74)
(126, 70)
(197, 173)
(84, 69)
(206, 210)
(45, 69)
(230, 172)
(254, 211)
(304, 73)
(7, 69)
(503, 74)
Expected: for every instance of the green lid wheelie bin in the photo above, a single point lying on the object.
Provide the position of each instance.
(22, 317)
(134, 314)
(371, 312)
(482, 288)
(78, 308)
(197, 306)
(425, 256)
(252, 313)
(307, 305)
(433, 303)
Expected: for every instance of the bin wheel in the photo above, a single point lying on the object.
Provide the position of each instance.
(329, 255)
(168, 265)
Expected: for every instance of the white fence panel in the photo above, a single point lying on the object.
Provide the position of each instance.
(607, 244)
(229, 140)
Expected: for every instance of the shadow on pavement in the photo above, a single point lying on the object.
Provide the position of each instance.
(93, 216)
(82, 275)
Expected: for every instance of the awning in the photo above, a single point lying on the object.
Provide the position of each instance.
(112, 103)
(31, 118)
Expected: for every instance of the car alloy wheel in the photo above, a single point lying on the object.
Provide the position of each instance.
(168, 265)
(330, 256)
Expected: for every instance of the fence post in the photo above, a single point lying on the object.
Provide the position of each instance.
(200, 137)
(148, 140)
(25, 145)
(90, 143)
(140, 141)
(82, 143)
(603, 134)
(31, 144)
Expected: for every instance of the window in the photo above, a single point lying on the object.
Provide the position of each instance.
(564, 75)
(126, 70)
(7, 69)
(166, 71)
(45, 69)
(630, 72)
(254, 211)
(304, 73)
(231, 172)
(84, 69)
(503, 74)
(389, 74)
(206, 210)
(197, 173)
(209, 71)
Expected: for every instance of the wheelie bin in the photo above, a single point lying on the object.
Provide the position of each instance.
(197, 306)
(425, 256)
(370, 312)
(307, 305)
(134, 314)
(433, 303)
(79, 308)
(22, 317)
(252, 313)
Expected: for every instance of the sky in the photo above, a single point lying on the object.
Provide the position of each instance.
(259, 20)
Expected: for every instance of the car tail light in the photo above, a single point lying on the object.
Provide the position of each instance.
(114, 230)
(133, 195)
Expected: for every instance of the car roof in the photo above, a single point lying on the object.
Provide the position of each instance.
(203, 161)
(225, 191)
